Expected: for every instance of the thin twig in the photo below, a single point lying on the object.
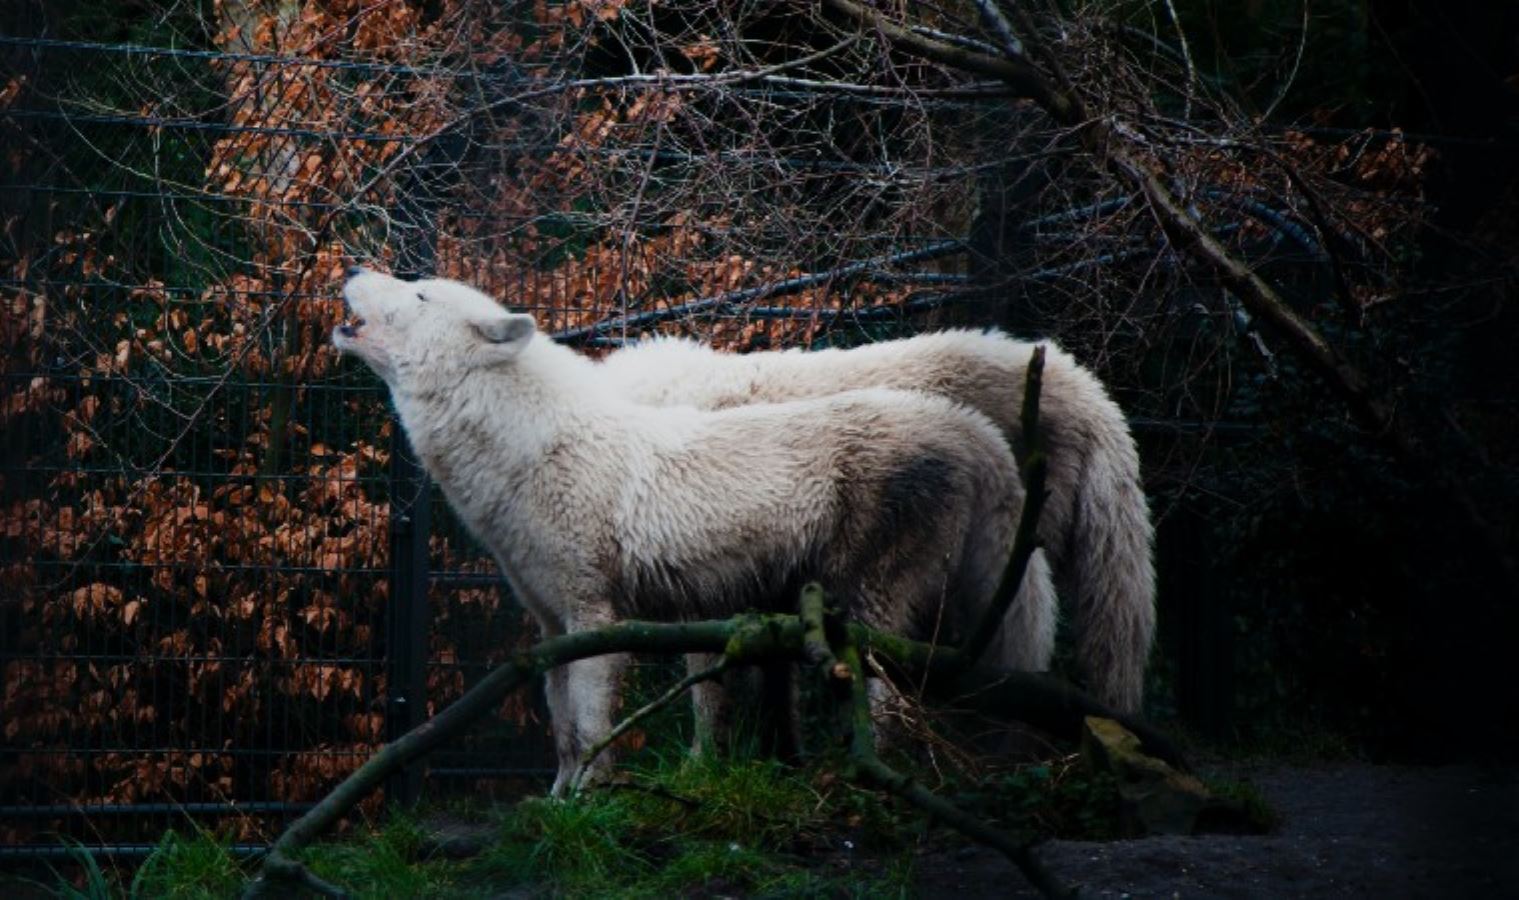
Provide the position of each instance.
(1186, 55)
(672, 81)
(685, 684)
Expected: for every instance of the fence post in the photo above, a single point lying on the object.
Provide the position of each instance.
(410, 530)
(409, 620)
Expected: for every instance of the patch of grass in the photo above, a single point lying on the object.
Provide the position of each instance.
(705, 826)
(1061, 799)
(191, 868)
(385, 863)
(198, 867)
(580, 847)
(712, 867)
(754, 802)
(893, 882)
(95, 885)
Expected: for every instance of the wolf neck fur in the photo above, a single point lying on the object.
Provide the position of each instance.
(457, 417)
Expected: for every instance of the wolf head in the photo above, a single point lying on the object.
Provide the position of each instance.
(402, 328)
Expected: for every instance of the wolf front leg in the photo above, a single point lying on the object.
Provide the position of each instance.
(583, 697)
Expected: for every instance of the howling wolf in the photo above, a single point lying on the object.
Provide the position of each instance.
(600, 509)
(1095, 527)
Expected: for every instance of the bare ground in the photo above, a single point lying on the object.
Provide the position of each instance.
(1351, 830)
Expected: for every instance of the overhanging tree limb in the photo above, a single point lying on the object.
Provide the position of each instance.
(1055, 92)
(1098, 135)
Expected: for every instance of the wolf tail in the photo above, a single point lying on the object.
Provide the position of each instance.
(1107, 571)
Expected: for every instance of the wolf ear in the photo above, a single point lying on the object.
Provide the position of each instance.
(504, 335)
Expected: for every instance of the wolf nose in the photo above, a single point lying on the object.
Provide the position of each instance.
(354, 271)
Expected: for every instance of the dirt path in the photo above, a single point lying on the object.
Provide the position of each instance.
(1347, 831)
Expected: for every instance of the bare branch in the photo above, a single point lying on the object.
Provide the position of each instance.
(1016, 71)
(993, 17)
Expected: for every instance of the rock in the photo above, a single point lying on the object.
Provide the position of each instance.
(1156, 799)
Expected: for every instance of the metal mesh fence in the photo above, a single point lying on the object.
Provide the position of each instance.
(221, 587)
(213, 553)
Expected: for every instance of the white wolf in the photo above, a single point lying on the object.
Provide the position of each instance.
(599, 509)
(1095, 526)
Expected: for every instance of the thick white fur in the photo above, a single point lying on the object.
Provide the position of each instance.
(598, 508)
(1095, 526)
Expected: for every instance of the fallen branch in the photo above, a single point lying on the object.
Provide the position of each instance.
(1038, 700)
(745, 638)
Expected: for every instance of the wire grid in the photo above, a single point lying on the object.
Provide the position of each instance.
(197, 601)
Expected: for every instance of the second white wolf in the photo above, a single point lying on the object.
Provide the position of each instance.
(1095, 526)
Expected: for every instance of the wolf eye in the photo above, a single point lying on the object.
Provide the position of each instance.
(421, 297)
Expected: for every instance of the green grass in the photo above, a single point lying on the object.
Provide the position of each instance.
(676, 826)
(191, 868)
(93, 883)
(197, 867)
(683, 825)
(385, 862)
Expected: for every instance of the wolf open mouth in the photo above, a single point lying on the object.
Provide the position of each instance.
(351, 323)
